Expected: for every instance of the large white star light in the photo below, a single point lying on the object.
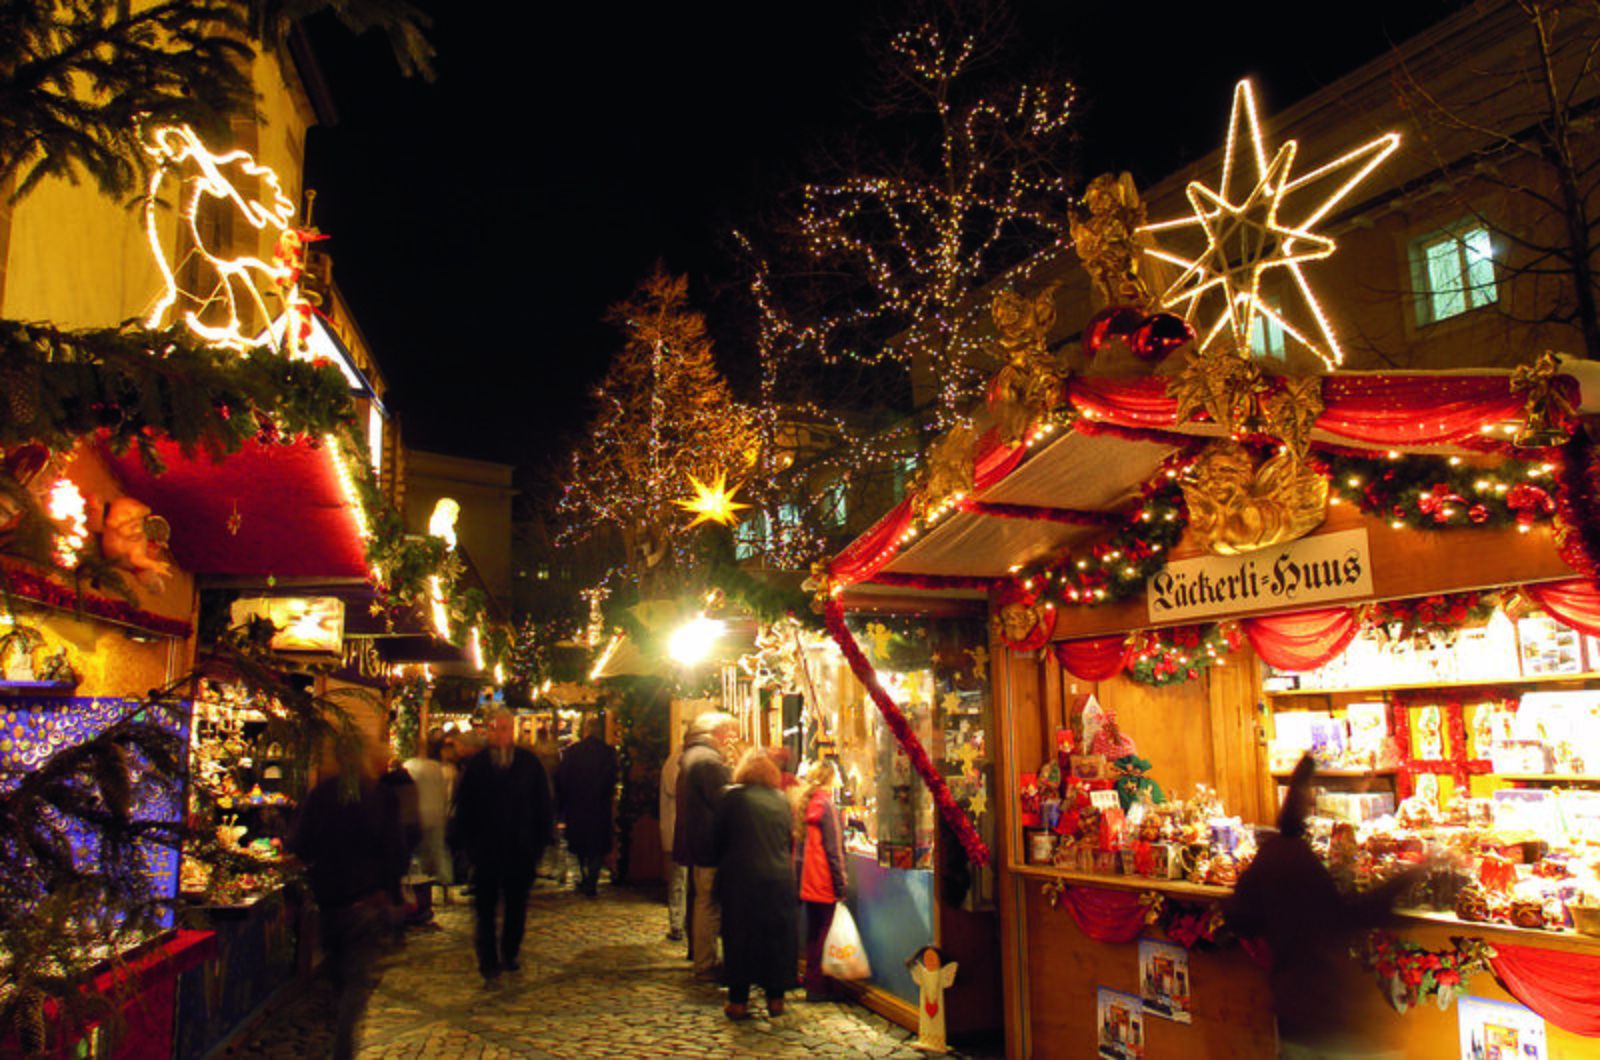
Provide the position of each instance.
(1250, 228)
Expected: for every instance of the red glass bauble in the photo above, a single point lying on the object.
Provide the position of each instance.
(1117, 321)
(1159, 335)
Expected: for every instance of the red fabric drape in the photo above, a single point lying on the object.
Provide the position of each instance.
(954, 816)
(1103, 914)
(1562, 987)
(1095, 658)
(993, 461)
(1141, 402)
(1391, 409)
(873, 550)
(1304, 640)
(1386, 409)
(1575, 602)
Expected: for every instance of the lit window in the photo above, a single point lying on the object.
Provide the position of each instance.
(1266, 337)
(750, 539)
(904, 470)
(788, 521)
(542, 573)
(834, 509)
(1452, 271)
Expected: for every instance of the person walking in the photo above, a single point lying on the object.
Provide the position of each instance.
(433, 808)
(819, 868)
(502, 820)
(586, 782)
(702, 776)
(667, 813)
(754, 842)
(349, 836)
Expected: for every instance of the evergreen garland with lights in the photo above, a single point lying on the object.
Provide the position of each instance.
(1182, 653)
(1435, 493)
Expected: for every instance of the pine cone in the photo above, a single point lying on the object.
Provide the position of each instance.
(111, 774)
(21, 391)
(27, 1018)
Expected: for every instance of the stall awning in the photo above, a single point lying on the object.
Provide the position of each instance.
(268, 510)
(1047, 501)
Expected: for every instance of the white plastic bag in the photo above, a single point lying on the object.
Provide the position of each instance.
(843, 956)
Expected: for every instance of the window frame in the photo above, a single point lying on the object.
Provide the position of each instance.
(1473, 295)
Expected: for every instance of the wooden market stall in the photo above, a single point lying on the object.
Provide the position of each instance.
(1418, 576)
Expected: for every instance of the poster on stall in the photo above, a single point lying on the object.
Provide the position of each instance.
(1499, 1030)
(1121, 1025)
(1164, 980)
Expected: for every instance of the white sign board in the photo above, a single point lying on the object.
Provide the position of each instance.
(1313, 570)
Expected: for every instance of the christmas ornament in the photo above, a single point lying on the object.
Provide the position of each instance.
(1251, 226)
(1113, 322)
(1106, 230)
(1159, 335)
(1236, 506)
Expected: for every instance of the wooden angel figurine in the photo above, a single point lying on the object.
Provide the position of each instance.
(933, 976)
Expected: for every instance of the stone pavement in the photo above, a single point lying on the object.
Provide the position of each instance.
(598, 979)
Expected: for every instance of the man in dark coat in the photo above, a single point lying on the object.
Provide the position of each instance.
(585, 782)
(703, 773)
(502, 820)
(349, 836)
(753, 837)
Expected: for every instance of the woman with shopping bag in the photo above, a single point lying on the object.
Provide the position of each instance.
(819, 869)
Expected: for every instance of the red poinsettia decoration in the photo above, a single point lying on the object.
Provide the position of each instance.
(1440, 502)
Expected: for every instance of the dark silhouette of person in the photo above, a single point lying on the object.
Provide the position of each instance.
(586, 781)
(348, 834)
(502, 820)
(1289, 899)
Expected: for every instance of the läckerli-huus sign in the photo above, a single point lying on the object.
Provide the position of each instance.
(1303, 573)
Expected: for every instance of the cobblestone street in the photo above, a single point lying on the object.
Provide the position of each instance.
(598, 979)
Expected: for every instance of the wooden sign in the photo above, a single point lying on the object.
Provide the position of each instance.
(1303, 573)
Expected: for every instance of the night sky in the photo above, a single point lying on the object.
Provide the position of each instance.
(481, 224)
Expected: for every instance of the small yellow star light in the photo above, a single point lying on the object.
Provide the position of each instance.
(1250, 229)
(713, 502)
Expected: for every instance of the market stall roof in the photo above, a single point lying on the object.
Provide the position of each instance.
(268, 510)
(1036, 502)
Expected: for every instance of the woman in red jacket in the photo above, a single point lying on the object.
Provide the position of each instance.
(819, 866)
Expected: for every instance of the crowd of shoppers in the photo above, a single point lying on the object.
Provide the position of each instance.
(747, 847)
(757, 847)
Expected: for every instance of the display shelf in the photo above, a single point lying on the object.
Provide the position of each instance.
(37, 688)
(1353, 774)
(1125, 883)
(1559, 940)
(1550, 778)
(1367, 690)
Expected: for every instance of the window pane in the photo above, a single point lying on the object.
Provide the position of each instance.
(1445, 287)
(1480, 266)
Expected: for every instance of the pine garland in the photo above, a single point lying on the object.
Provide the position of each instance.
(1435, 493)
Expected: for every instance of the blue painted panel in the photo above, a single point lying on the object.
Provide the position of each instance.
(894, 913)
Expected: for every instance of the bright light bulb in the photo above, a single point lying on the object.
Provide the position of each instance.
(691, 642)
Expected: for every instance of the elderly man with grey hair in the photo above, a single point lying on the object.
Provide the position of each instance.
(503, 821)
(703, 773)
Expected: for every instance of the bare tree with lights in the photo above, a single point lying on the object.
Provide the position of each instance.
(665, 423)
(1515, 145)
(893, 250)
(869, 317)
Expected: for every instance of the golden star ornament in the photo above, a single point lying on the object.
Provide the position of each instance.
(713, 502)
(1251, 228)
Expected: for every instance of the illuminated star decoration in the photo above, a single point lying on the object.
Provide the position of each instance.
(713, 502)
(979, 804)
(1252, 228)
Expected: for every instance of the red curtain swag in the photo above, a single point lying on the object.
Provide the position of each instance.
(872, 551)
(1562, 987)
(1103, 914)
(954, 816)
(1095, 658)
(1386, 409)
(1304, 640)
(1575, 602)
